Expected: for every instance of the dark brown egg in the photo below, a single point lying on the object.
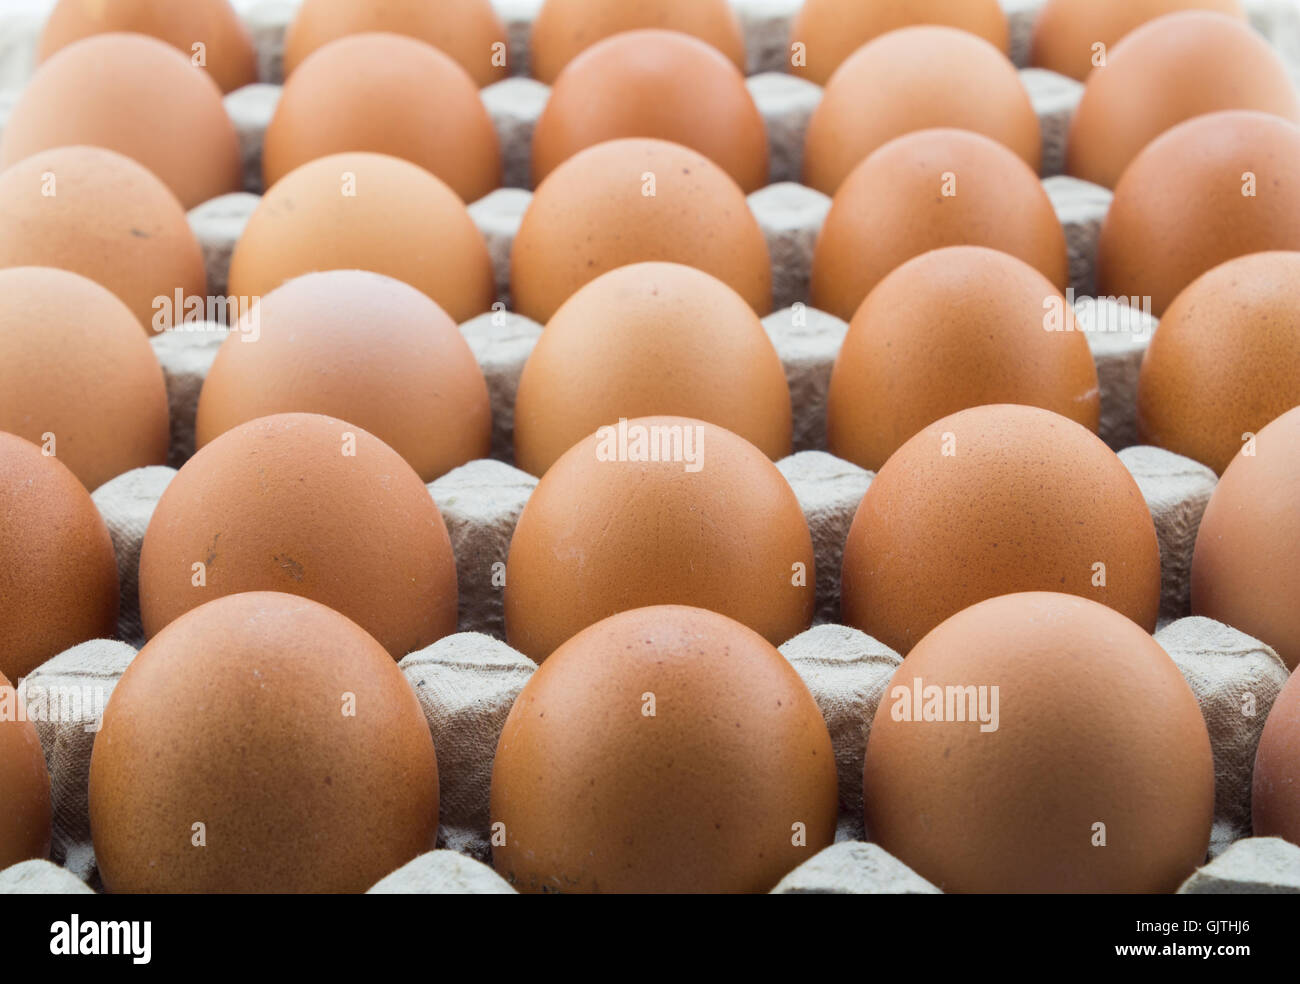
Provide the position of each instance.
(24, 784)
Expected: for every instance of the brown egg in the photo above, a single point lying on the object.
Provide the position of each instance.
(1226, 359)
(832, 30)
(105, 217)
(1275, 797)
(627, 201)
(1242, 169)
(1165, 72)
(140, 97)
(208, 32)
(665, 749)
(990, 501)
(384, 215)
(565, 28)
(311, 506)
(1040, 743)
(261, 743)
(386, 94)
(1246, 567)
(951, 329)
(918, 78)
(926, 190)
(658, 511)
(1067, 32)
(645, 339)
(58, 573)
(78, 376)
(468, 30)
(361, 347)
(24, 784)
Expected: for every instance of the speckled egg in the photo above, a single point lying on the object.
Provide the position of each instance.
(24, 784)
(1275, 796)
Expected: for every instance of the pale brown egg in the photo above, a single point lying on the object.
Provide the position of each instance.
(136, 95)
(58, 572)
(923, 191)
(1040, 743)
(1242, 171)
(386, 94)
(565, 28)
(994, 500)
(1246, 567)
(311, 506)
(1165, 72)
(629, 201)
(917, 78)
(658, 511)
(951, 329)
(208, 32)
(654, 83)
(645, 339)
(829, 31)
(361, 347)
(77, 376)
(107, 218)
(384, 215)
(261, 743)
(24, 783)
(467, 30)
(1225, 361)
(1072, 37)
(666, 749)
(1275, 796)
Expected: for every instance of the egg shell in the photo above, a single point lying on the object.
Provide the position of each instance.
(1095, 726)
(308, 505)
(990, 501)
(74, 364)
(629, 201)
(363, 348)
(386, 94)
(1275, 794)
(832, 30)
(951, 329)
(1246, 566)
(361, 211)
(607, 530)
(284, 730)
(227, 47)
(1242, 171)
(565, 28)
(927, 190)
(58, 572)
(1226, 359)
(104, 216)
(917, 78)
(136, 95)
(699, 794)
(467, 30)
(645, 339)
(24, 785)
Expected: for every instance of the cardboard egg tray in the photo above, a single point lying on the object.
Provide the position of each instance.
(467, 682)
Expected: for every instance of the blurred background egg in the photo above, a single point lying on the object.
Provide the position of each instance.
(650, 338)
(1090, 772)
(923, 191)
(990, 501)
(918, 78)
(283, 729)
(1275, 796)
(700, 794)
(387, 94)
(654, 83)
(77, 374)
(136, 95)
(361, 347)
(24, 784)
(633, 200)
(385, 215)
(1246, 567)
(311, 506)
(711, 522)
(951, 329)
